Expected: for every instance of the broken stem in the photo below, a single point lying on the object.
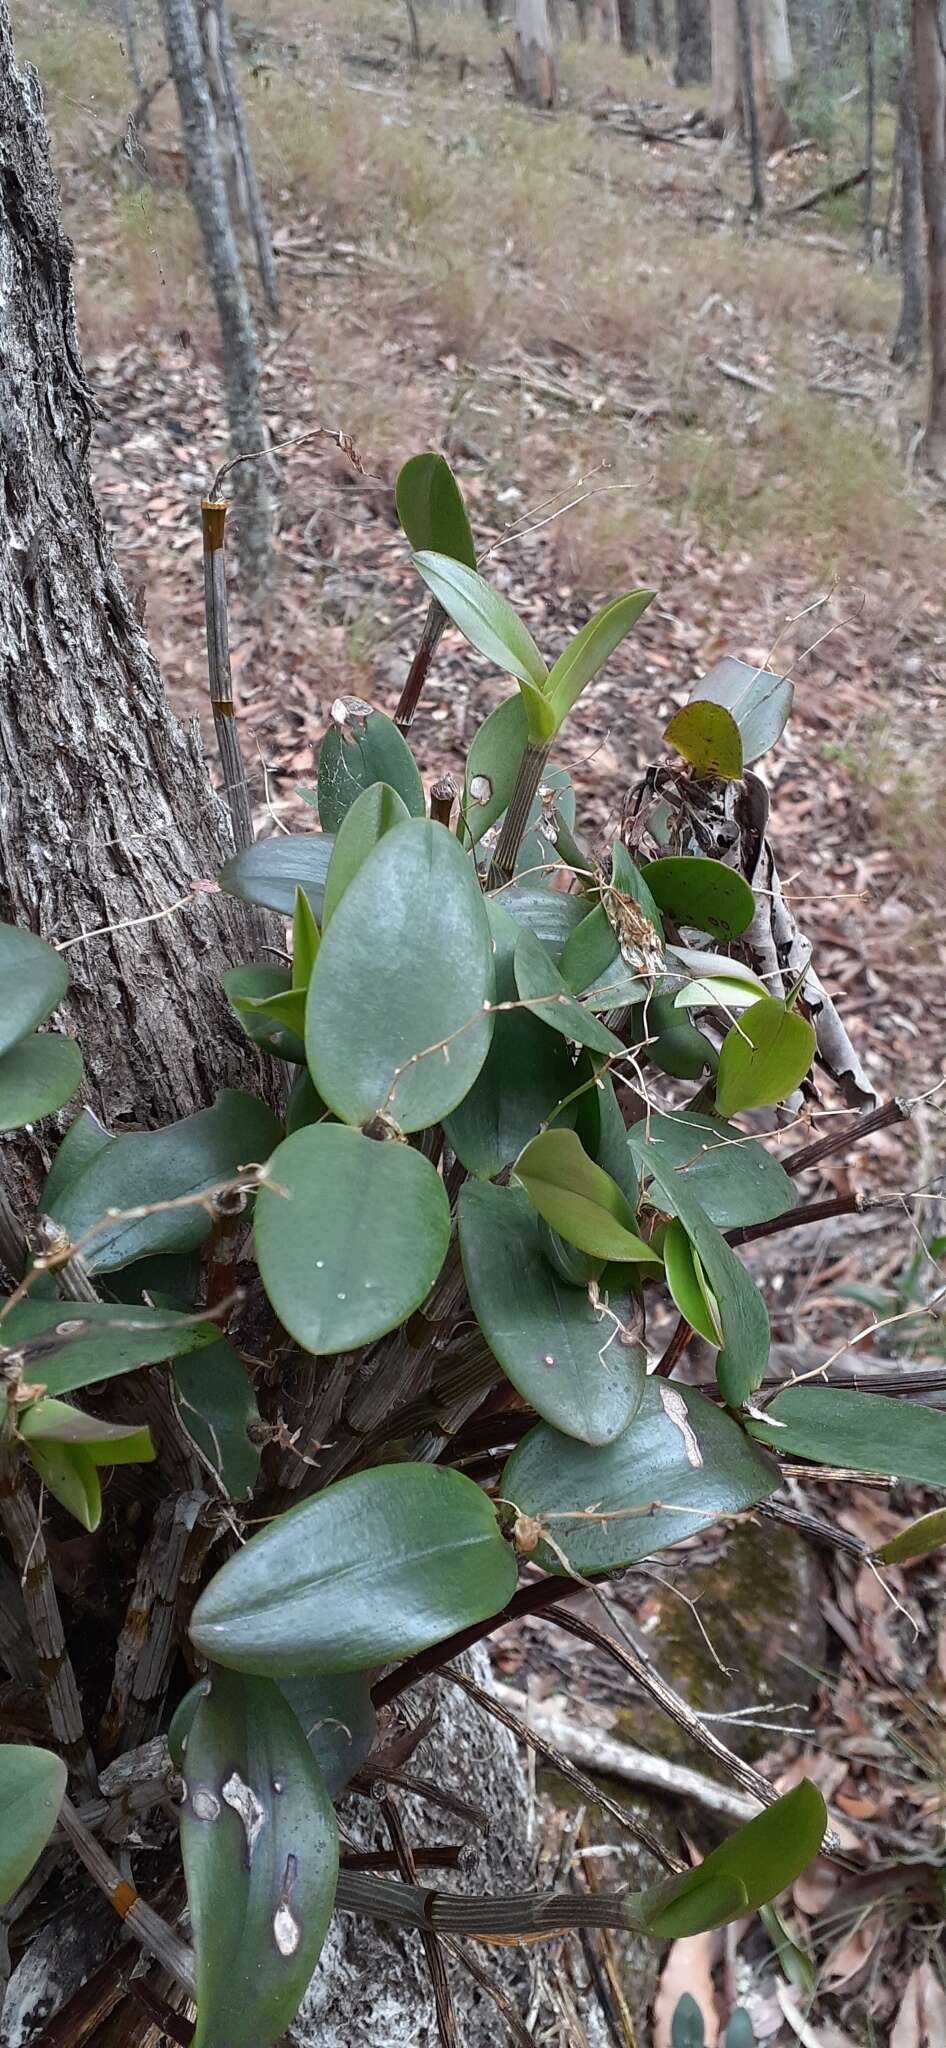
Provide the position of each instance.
(535, 754)
(151, 1932)
(792, 1219)
(213, 515)
(442, 797)
(417, 673)
(895, 1112)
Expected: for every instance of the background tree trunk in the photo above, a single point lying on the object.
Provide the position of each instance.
(930, 76)
(907, 341)
(207, 187)
(533, 53)
(750, 112)
(627, 26)
(693, 64)
(772, 67)
(661, 34)
(870, 121)
(255, 210)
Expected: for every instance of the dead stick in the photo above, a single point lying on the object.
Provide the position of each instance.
(150, 1931)
(417, 673)
(213, 516)
(895, 1112)
(821, 192)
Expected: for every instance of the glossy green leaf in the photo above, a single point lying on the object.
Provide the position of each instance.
(158, 1166)
(33, 980)
(270, 1010)
(601, 1127)
(740, 2032)
(405, 965)
(587, 653)
(350, 1235)
(571, 1359)
(686, 2027)
(69, 1474)
(485, 618)
(592, 965)
(526, 1073)
(37, 1075)
(759, 701)
(868, 1432)
(431, 509)
(361, 747)
(681, 1465)
(218, 1409)
(548, 915)
(106, 1443)
(32, 1784)
(794, 1963)
(553, 807)
(492, 765)
(579, 1200)
(742, 1311)
(306, 939)
(732, 1176)
(918, 1539)
(337, 1719)
(627, 880)
(577, 1268)
(84, 1139)
(67, 1345)
(713, 967)
(305, 1105)
(543, 989)
(375, 1568)
(676, 1046)
(269, 872)
(371, 815)
(763, 1857)
(723, 994)
(763, 1057)
(260, 1850)
(703, 894)
(688, 1284)
(708, 737)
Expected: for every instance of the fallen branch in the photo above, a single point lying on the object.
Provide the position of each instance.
(822, 192)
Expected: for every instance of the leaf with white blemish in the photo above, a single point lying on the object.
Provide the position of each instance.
(260, 1850)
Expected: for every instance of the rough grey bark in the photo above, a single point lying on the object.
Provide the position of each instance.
(907, 341)
(870, 122)
(749, 107)
(218, 36)
(628, 26)
(208, 192)
(107, 814)
(693, 60)
(534, 66)
(930, 75)
(661, 33)
(130, 33)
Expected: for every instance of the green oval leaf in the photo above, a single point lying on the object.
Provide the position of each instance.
(708, 737)
(612, 1505)
(372, 814)
(405, 966)
(105, 1443)
(69, 1474)
(33, 977)
(218, 1409)
(269, 872)
(158, 1166)
(763, 1058)
(868, 1432)
(337, 1719)
(918, 1539)
(703, 894)
(32, 1784)
(260, 1849)
(270, 1010)
(579, 1200)
(350, 1235)
(360, 747)
(759, 701)
(376, 1568)
(592, 965)
(686, 2027)
(763, 1857)
(526, 1073)
(543, 990)
(570, 1358)
(37, 1076)
(431, 509)
(547, 914)
(674, 1044)
(483, 617)
(84, 1139)
(67, 1345)
(688, 1285)
(492, 765)
(732, 1176)
(587, 653)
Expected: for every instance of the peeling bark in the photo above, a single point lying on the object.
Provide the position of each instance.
(908, 340)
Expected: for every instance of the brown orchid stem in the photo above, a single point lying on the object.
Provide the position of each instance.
(213, 515)
(530, 1599)
(521, 1916)
(792, 1219)
(442, 799)
(535, 755)
(150, 1931)
(443, 1997)
(895, 1112)
(417, 673)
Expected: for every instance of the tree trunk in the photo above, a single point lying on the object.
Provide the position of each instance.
(130, 33)
(930, 76)
(533, 53)
(693, 61)
(750, 112)
(659, 17)
(208, 192)
(870, 122)
(255, 210)
(627, 26)
(772, 66)
(907, 341)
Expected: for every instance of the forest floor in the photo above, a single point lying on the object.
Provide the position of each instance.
(634, 386)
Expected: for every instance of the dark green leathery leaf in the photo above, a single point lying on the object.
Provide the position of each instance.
(579, 1200)
(681, 1465)
(760, 1859)
(375, 1568)
(569, 1353)
(363, 746)
(372, 814)
(759, 701)
(84, 1139)
(869, 1432)
(546, 913)
(763, 1057)
(431, 510)
(674, 1044)
(269, 872)
(688, 1285)
(66, 1345)
(704, 895)
(270, 1010)
(593, 966)
(32, 1783)
(399, 1017)
(526, 1073)
(553, 807)
(350, 1235)
(260, 1850)
(732, 1175)
(33, 977)
(218, 1409)
(492, 765)
(742, 1311)
(37, 1075)
(591, 647)
(337, 1719)
(545, 992)
(163, 1166)
(485, 618)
